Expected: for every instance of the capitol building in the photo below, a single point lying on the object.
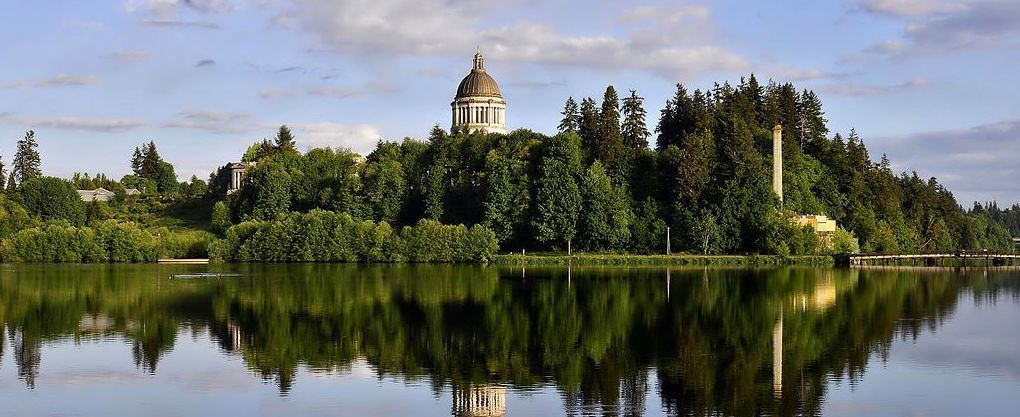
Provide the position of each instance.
(479, 106)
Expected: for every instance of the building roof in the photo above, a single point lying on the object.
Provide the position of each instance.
(478, 83)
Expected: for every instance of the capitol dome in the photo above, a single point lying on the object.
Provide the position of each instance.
(479, 105)
(478, 83)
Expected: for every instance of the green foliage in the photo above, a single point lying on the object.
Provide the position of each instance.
(606, 217)
(843, 241)
(60, 242)
(221, 218)
(323, 236)
(13, 217)
(558, 198)
(182, 243)
(51, 198)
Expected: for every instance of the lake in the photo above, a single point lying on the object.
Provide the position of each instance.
(434, 340)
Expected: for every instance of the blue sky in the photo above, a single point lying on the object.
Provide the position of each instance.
(926, 81)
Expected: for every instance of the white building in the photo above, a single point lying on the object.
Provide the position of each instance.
(479, 105)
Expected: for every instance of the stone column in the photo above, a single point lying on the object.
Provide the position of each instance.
(777, 161)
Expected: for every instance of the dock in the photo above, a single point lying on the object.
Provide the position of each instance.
(985, 258)
(195, 261)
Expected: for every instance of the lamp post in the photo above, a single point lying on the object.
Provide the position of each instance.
(667, 240)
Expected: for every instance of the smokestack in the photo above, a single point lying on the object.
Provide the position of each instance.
(777, 161)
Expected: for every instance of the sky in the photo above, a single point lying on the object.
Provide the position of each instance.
(926, 81)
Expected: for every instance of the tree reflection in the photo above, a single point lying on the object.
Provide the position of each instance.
(737, 342)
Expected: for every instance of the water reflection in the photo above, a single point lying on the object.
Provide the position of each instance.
(608, 341)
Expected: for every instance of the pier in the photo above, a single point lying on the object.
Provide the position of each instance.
(960, 258)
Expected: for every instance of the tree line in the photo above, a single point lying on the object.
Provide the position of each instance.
(598, 184)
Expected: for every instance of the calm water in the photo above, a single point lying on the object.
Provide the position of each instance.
(442, 340)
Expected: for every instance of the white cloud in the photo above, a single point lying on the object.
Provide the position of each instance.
(72, 123)
(273, 93)
(874, 90)
(166, 23)
(167, 8)
(128, 56)
(61, 80)
(351, 91)
(443, 28)
(910, 8)
(214, 121)
(360, 138)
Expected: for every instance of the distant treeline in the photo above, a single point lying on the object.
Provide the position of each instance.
(599, 186)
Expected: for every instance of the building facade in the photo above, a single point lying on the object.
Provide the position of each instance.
(479, 105)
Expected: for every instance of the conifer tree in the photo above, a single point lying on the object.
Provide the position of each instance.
(571, 118)
(589, 128)
(634, 129)
(150, 161)
(285, 140)
(11, 183)
(26, 159)
(610, 141)
(136, 161)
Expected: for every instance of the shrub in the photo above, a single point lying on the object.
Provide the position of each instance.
(179, 244)
(324, 236)
(61, 242)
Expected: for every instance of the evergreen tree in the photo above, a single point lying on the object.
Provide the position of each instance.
(811, 123)
(610, 140)
(571, 117)
(285, 140)
(11, 183)
(150, 161)
(634, 129)
(3, 174)
(136, 161)
(590, 126)
(26, 159)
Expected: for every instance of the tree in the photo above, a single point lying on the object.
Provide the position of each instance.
(3, 174)
(589, 128)
(166, 178)
(11, 183)
(610, 141)
(506, 196)
(136, 161)
(197, 188)
(150, 161)
(266, 192)
(51, 198)
(606, 216)
(558, 197)
(571, 118)
(285, 140)
(26, 159)
(385, 189)
(705, 231)
(220, 218)
(634, 129)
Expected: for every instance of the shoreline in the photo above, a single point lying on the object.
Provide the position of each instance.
(680, 260)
